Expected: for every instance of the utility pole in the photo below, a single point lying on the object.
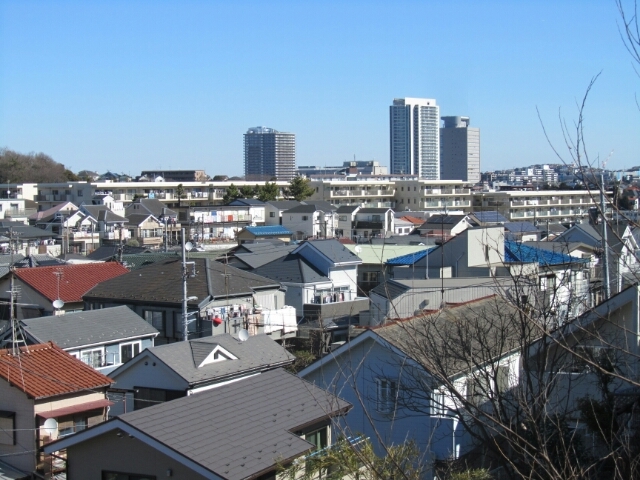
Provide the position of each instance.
(185, 298)
(605, 243)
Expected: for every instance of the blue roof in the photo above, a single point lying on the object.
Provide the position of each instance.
(409, 259)
(268, 230)
(517, 252)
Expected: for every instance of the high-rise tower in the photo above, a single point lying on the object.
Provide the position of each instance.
(269, 153)
(459, 150)
(414, 137)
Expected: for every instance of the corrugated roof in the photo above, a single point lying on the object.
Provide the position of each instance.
(88, 328)
(75, 281)
(268, 230)
(45, 370)
(518, 252)
(243, 428)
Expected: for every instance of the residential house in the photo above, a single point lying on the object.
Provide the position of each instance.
(441, 227)
(37, 288)
(77, 229)
(273, 210)
(622, 248)
(222, 222)
(311, 220)
(521, 232)
(103, 339)
(403, 226)
(397, 392)
(372, 223)
(42, 382)
(175, 370)
(146, 229)
(346, 220)
(257, 209)
(241, 430)
(153, 206)
(17, 210)
(111, 227)
(26, 239)
(221, 298)
(277, 232)
(373, 270)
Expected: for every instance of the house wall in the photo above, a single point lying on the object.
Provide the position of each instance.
(154, 374)
(353, 377)
(294, 223)
(108, 452)
(345, 276)
(14, 400)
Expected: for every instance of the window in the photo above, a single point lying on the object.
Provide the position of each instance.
(342, 218)
(438, 407)
(602, 356)
(93, 358)
(125, 476)
(375, 218)
(318, 438)
(73, 425)
(147, 397)
(128, 351)
(155, 318)
(386, 392)
(80, 193)
(272, 214)
(7, 428)
(305, 218)
(370, 276)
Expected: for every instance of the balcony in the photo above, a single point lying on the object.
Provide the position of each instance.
(340, 309)
(92, 236)
(115, 235)
(19, 213)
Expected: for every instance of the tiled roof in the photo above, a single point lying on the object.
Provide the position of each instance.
(443, 220)
(332, 249)
(291, 268)
(75, 281)
(489, 217)
(347, 208)
(521, 227)
(45, 370)
(258, 353)
(414, 220)
(92, 327)
(241, 429)
(268, 230)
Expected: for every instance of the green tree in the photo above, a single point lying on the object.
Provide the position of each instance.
(299, 188)
(231, 194)
(180, 193)
(269, 192)
(247, 191)
(31, 168)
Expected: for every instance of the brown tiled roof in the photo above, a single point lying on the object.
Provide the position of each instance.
(75, 281)
(45, 370)
(414, 220)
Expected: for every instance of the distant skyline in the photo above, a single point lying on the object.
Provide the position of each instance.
(140, 85)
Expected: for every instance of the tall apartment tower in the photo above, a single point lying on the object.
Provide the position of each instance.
(459, 150)
(415, 142)
(269, 153)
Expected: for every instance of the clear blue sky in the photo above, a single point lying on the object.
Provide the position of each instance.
(132, 85)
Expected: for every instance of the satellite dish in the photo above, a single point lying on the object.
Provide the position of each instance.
(188, 246)
(50, 425)
(358, 249)
(58, 304)
(243, 335)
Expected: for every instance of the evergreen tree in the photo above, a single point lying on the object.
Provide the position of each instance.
(299, 188)
(269, 192)
(231, 194)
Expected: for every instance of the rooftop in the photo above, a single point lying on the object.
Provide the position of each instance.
(268, 230)
(75, 280)
(45, 370)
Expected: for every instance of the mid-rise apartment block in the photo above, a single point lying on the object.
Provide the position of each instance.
(415, 138)
(269, 154)
(459, 150)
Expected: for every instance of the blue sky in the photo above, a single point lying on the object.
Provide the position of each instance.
(132, 85)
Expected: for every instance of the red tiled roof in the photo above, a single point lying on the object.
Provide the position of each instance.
(346, 241)
(45, 370)
(75, 281)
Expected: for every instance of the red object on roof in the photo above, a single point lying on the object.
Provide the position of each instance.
(81, 407)
(75, 281)
(346, 241)
(45, 370)
(414, 220)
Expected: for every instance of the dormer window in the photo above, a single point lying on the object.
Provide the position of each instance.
(218, 354)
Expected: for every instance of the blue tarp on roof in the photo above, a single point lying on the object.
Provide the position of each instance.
(268, 230)
(408, 259)
(517, 252)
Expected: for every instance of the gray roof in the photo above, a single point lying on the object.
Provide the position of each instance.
(88, 328)
(435, 220)
(241, 429)
(333, 250)
(258, 353)
(292, 268)
(284, 204)
(160, 283)
(102, 214)
(25, 232)
(374, 210)
(310, 207)
(107, 252)
(347, 208)
(139, 218)
(521, 227)
(264, 256)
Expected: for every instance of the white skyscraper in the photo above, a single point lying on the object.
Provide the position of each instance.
(415, 137)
